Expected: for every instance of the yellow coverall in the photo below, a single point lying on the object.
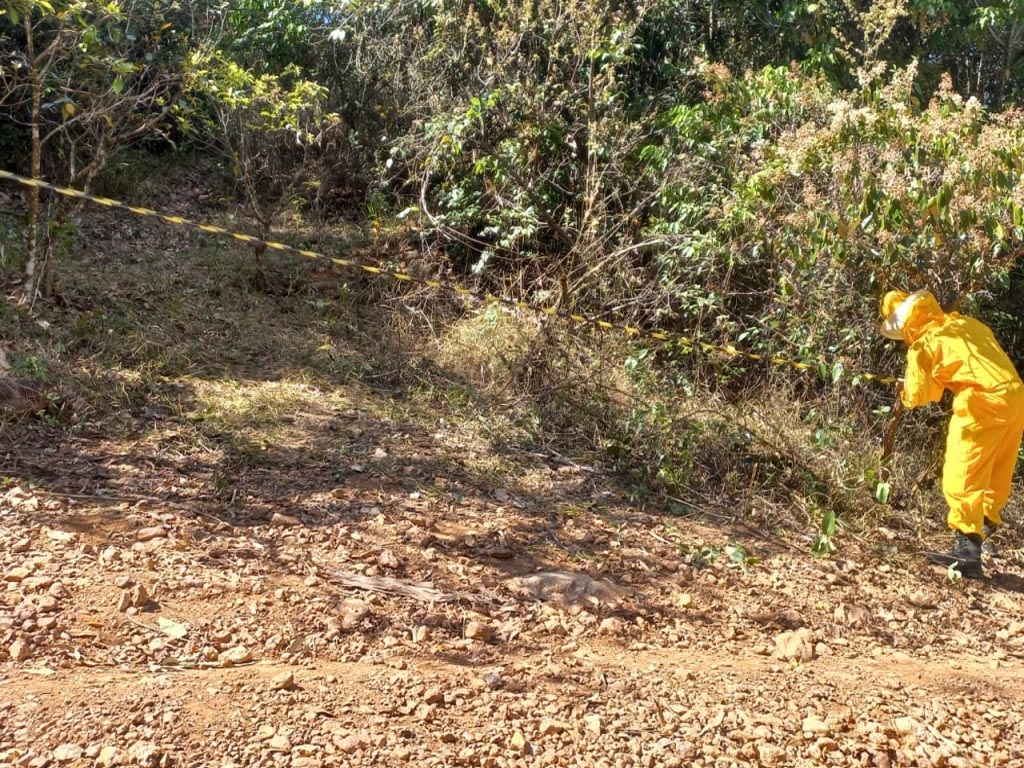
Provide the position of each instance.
(949, 351)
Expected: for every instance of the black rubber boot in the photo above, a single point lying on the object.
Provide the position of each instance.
(988, 547)
(966, 555)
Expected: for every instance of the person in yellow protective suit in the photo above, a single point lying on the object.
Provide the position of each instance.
(950, 351)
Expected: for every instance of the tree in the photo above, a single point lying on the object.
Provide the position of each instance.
(75, 78)
(273, 129)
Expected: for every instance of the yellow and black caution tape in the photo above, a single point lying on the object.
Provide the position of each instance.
(489, 298)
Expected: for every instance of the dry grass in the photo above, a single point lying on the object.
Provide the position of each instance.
(163, 339)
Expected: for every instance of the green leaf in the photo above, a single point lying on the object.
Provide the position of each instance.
(882, 492)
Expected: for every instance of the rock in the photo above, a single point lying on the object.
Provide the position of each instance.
(139, 595)
(612, 625)
(286, 521)
(493, 680)
(815, 725)
(401, 754)
(19, 650)
(47, 604)
(770, 754)
(593, 724)
(67, 753)
(232, 656)
(57, 590)
(904, 724)
(145, 753)
(518, 741)
(280, 743)
(36, 583)
(421, 634)
(549, 726)
(353, 612)
(434, 696)
(124, 601)
(795, 646)
(352, 743)
(478, 630)
(19, 573)
(109, 756)
(306, 762)
(150, 533)
(282, 681)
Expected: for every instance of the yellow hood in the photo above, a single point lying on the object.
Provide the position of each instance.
(923, 313)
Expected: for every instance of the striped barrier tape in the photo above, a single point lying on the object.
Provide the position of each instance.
(730, 350)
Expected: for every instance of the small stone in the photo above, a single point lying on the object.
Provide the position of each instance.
(285, 521)
(612, 625)
(124, 601)
(36, 583)
(770, 754)
(593, 724)
(108, 756)
(18, 650)
(421, 634)
(60, 537)
(16, 574)
(478, 630)
(150, 533)
(549, 726)
(353, 612)
(283, 681)
(351, 743)
(280, 743)
(815, 725)
(139, 596)
(795, 646)
(303, 761)
(232, 656)
(47, 604)
(401, 754)
(145, 753)
(57, 590)
(518, 741)
(434, 696)
(21, 545)
(492, 680)
(67, 753)
(904, 724)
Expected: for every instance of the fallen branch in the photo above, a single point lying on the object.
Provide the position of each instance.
(389, 585)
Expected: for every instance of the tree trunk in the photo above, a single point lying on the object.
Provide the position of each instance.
(32, 271)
